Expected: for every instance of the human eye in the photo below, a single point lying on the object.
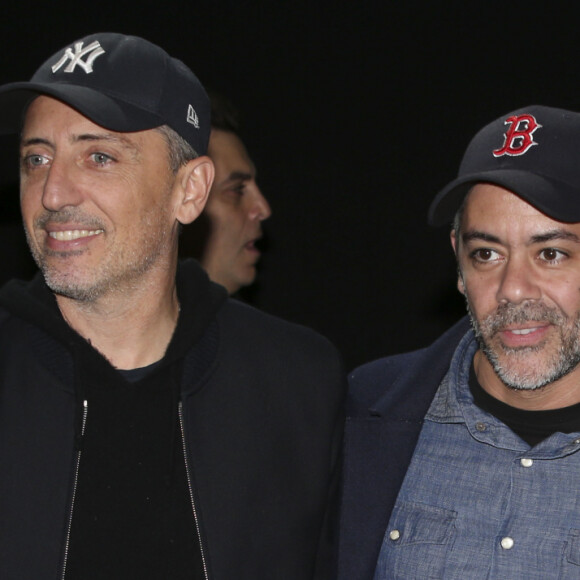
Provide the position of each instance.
(100, 158)
(33, 160)
(234, 193)
(239, 189)
(552, 255)
(484, 255)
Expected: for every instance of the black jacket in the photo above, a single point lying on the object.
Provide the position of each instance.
(388, 400)
(262, 411)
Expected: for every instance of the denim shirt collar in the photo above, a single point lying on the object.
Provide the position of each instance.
(453, 403)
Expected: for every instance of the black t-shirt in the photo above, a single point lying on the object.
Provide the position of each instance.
(532, 426)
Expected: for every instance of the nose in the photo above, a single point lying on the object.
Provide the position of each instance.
(518, 283)
(260, 208)
(59, 188)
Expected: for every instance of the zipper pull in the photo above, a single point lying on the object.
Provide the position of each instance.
(79, 433)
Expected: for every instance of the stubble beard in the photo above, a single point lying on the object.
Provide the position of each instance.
(528, 367)
(122, 273)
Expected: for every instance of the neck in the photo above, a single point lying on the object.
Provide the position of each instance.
(131, 329)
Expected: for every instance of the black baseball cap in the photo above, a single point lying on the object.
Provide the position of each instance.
(122, 83)
(532, 152)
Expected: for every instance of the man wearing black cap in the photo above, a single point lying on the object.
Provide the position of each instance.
(462, 458)
(149, 426)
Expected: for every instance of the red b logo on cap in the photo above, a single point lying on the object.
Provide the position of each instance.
(518, 138)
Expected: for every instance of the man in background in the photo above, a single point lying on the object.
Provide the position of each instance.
(224, 239)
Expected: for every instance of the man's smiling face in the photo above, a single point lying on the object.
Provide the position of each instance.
(97, 205)
(520, 273)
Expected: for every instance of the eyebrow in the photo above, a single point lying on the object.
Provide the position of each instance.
(555, 234)
(236, 175)
(477, 235)
(83, 137)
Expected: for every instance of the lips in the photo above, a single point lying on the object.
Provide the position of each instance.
(251, 245)
(524, 336)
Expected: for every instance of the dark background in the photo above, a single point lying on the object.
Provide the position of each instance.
(355, 115)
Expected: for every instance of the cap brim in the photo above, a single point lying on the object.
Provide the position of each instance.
(101, 109)
(556, 199)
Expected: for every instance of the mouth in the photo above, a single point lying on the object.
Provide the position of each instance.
(523, 331)
(524, 335)
(251, 245)
(69, 235)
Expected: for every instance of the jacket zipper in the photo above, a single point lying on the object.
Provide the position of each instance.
(74, 491)
(190, 487)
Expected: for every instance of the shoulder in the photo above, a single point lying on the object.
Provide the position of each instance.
(277, 348)
(238, 318)
(368, 383)
(424, 368)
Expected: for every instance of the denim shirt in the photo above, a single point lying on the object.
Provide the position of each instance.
(477, 502)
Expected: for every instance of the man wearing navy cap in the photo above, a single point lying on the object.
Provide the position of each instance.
(462, 458)
(149, 426)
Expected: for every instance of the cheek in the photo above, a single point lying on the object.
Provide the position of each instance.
(222, 218)
(567, 300)
(481, 299)
(30, 204)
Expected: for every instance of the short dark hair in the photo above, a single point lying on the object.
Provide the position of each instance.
(224, 115)
(458, 217)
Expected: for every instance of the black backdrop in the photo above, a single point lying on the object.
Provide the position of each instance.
(355, 114)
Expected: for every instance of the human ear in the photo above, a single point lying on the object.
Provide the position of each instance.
(193, 181)
(454, 245)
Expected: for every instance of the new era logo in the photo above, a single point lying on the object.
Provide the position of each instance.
(90, 53)
(192, 117)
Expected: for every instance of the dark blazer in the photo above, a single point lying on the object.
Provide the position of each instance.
(387, 402)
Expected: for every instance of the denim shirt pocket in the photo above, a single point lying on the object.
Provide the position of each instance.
(417, 542)
(573, 547)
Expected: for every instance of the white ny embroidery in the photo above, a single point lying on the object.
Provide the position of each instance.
(92, 51)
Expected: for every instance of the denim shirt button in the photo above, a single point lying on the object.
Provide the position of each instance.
(577, 441)
(526, 462)
(394, 535)
(481, 426)
(507, 543)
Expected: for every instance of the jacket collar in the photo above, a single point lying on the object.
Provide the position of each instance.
(425, 372)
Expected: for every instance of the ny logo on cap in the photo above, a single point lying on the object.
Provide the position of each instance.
(91, 52)
(519, 137)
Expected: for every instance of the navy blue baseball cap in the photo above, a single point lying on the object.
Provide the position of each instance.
(122, 83)
(532, 152)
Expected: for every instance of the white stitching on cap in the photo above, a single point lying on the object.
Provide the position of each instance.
(93, 51)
